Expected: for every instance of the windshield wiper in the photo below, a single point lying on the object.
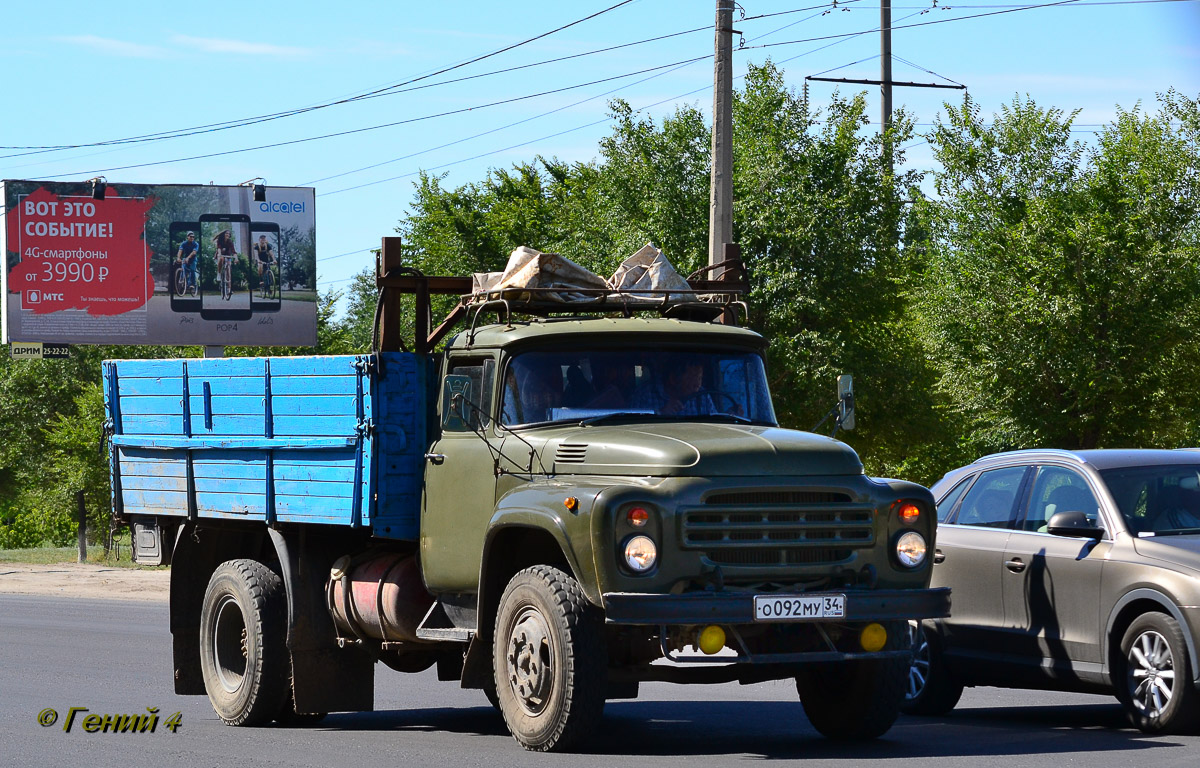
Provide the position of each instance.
(725, 417)
(1177, 532)
(625, 415)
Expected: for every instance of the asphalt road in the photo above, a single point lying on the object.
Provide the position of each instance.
(114, 658)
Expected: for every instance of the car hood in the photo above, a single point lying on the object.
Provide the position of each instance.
(1183, 551)
(695, 448)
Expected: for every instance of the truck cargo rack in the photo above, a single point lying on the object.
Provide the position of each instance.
(707, 300)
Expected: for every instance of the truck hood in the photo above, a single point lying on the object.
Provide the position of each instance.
(1181, 551)
(694, 448)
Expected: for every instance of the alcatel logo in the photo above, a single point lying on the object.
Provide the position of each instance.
(281, 207)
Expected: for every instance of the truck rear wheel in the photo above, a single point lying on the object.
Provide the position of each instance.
(549, 659)
(243, 643)
(854, 700)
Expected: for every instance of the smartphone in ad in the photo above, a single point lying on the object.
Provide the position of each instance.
(264, 260)
(227, 275)
(184, 277)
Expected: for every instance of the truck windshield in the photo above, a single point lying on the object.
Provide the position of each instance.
(689, 385)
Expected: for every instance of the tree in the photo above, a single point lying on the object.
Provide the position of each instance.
(1060, 297)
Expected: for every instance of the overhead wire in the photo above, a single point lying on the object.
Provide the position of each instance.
(301, 110)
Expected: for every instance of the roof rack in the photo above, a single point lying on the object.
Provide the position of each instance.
(707, 300)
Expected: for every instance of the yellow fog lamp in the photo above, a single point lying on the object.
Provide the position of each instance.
(711, 640)
(873, 637)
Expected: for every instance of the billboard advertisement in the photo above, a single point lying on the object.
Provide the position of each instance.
(158, 264)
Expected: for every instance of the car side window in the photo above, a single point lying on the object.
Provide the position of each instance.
(1059, 490)
(991, 501)
(946, 505)
(481, 373)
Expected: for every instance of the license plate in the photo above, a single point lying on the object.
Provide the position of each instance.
(797, 608)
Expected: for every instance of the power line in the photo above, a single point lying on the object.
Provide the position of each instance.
(376, 127)
(210, 127)
(936, 21)
(388, 90)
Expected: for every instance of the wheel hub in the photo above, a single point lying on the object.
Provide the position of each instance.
(1151, 674)
(918, 669)
(530, 662)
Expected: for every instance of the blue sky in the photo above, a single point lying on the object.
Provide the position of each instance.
(84, 72)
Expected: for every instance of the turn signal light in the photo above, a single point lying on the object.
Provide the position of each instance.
(638, 517)
(909, 513)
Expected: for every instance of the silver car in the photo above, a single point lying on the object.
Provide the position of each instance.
(1073, 571)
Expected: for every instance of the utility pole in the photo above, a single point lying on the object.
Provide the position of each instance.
(720, 214)
(885, 62)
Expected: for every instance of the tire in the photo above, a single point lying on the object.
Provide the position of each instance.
(931, 688)
(855, 700)
(243, 643)
(1155, 682)
(549, 659)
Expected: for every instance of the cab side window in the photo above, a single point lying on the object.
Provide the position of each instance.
(1059, 490)
(992, 500)
(479, 404)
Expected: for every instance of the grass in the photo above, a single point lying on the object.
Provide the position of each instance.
(120, 556)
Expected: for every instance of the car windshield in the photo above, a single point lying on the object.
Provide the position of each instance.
(591, 385)
(1157, 500)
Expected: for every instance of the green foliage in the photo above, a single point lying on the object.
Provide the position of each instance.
(1060, 297)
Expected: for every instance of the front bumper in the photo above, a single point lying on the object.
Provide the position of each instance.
(738, 607)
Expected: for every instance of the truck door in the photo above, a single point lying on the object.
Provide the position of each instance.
(460, 482)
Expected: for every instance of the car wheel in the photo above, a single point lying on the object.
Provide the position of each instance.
(932, 689)
(243, 643)
(1157, 682)
(549, 659)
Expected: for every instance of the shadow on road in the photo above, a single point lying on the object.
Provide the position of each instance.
(779, 730)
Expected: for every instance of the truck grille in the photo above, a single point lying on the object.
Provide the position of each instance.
(779, 527)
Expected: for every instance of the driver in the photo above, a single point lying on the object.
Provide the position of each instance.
(679, 391)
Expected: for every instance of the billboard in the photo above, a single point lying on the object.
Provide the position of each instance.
(158, 264)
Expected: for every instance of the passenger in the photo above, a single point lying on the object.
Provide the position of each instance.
(533, 389)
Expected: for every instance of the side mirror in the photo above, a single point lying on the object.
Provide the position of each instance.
(846, 401)
(1074, 524)
(456, 391)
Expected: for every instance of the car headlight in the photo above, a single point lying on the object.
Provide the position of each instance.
(910, 549)
(640, 554)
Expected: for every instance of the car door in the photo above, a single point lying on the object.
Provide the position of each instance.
(460, 484)
(969, 559)
(1052, 583)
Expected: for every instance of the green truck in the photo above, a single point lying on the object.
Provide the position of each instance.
(551, 506)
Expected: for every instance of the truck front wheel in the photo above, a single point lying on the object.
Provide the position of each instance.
(243, 643)
(853, 700)
(550, 660)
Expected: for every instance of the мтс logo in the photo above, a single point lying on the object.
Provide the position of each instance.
(33, 297)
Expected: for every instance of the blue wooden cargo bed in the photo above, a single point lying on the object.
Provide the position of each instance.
(333, 440)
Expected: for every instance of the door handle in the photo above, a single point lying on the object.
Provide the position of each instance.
(1015, 565)
(938, 556)
(436, 458)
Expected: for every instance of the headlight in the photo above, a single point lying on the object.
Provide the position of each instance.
(910, 549)
(640, 554)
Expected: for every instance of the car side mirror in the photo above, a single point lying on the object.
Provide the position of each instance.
(1074, 524)
(456, 391)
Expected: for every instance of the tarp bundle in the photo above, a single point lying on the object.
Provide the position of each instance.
(646, 276)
